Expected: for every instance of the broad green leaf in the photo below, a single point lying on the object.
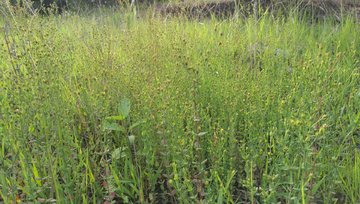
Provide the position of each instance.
(124, 108)
(115, 118)
(131, 139)
(201, 134)
(220, 197)
(31, 128)
(198, 134)
(112, 126)
(119, 153)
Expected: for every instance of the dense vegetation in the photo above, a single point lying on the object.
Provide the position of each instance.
(105, 107)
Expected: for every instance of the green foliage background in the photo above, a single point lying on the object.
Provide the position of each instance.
(104, 106)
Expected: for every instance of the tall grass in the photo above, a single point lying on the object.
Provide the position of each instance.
(112, 108)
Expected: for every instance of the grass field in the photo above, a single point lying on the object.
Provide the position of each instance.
(110, 108)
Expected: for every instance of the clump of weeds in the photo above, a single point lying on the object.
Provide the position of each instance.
(106, 107)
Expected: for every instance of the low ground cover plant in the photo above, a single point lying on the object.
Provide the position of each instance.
(106, 107)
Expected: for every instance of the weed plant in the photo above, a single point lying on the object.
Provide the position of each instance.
(110, 108)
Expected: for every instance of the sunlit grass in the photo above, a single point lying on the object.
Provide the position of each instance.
(221, 110)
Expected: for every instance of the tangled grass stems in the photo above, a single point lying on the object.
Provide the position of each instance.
(274, 100)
